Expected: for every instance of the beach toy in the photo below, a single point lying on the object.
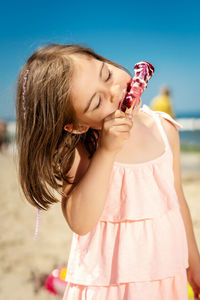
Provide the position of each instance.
(55, 283)
(143, 72)
(190, 291)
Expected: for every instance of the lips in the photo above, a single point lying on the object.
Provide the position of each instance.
(129, 85)
(122, 101)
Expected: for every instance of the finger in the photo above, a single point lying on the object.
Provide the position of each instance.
(117, 114)
(125, 121)
(120, 128)
(118, 122)
(129, 115)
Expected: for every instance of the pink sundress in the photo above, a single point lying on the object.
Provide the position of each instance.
(138, 249)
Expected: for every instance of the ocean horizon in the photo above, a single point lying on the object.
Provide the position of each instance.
(189, 134)
(178, 115)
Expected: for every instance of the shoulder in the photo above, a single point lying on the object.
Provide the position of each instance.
(79, 167)
(77, 171)
(171, 131)
(169, 127)
(174, 142)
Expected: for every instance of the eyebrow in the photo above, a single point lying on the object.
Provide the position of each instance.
(90, 101)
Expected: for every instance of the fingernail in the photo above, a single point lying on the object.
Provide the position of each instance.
(130, 116)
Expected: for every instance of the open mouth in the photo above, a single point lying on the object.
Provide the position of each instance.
(128, 88)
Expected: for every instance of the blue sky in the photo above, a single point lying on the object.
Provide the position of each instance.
(167, 34)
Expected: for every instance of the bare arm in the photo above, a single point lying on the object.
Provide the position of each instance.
(83, 207)
(173, 136)
(85, 204)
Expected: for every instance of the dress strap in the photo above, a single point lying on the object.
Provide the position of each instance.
(156, 115)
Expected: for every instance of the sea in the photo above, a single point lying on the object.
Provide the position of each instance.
(189, 134)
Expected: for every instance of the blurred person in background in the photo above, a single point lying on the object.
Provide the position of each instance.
(163, 102)
(4, 140)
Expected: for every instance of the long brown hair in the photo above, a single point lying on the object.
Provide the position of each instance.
(44, 105)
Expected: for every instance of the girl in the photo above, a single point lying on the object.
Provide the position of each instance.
(118, 174)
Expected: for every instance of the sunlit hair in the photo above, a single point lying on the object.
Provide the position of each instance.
(46, 151)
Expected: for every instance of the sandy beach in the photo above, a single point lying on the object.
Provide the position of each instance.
(25, 262)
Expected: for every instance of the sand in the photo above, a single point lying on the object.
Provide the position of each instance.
(25, 262)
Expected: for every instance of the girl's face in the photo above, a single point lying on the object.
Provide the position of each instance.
(97, 89)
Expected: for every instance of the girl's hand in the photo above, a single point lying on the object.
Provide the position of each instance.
(116, 129)
(193, 275)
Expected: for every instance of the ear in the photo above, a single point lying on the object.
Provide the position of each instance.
(77, 129)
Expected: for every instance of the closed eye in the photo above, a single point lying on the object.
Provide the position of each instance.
(109, 75)
(100, 100)
(99, 103)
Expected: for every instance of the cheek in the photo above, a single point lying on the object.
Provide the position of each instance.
(122, 77)
(126, 76)
(106, 111)
(101, 115)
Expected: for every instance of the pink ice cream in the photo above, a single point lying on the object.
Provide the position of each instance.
(136, 86)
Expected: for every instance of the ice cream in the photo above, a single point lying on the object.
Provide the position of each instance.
(136, 86)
